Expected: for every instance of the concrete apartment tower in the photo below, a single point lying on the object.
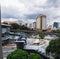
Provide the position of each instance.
(41, 22)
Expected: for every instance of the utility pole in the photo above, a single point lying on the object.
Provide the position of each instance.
(1, 55)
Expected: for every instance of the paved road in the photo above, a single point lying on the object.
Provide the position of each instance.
(8, 50)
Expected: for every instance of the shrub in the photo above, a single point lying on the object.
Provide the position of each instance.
(34, 56)
(21, 54)
(57, 31)
(54, 48)
(41, 36)
(18, 54)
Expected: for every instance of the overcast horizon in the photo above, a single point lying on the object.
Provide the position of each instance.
(28, 10)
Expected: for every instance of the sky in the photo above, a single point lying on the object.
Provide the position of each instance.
(28, 10)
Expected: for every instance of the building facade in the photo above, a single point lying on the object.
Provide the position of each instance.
(34, 25)
(55, 25)
(41, 22)
(5, 28)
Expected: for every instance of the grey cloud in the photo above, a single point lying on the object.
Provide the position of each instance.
(54, 3)
(10, 13)
(56, 17)
(10, 16)
(32, 10)
(32, 16)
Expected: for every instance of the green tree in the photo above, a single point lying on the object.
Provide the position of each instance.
(57, 31)
(15, 26)
(22, 27)
(54, 48)
(18, 54)
(21, 54)
(34, 56)
(41, 36)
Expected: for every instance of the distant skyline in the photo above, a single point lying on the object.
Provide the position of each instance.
(28, 10)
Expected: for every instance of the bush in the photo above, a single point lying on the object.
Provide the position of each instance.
(21, 54)
(41, 36)
(34, 56)
(18, 54)
(57, 31)
(54, 48)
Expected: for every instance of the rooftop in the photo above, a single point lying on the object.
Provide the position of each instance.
(6, 25)
(41, 15)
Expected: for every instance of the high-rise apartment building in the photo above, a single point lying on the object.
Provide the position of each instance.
(41, 22)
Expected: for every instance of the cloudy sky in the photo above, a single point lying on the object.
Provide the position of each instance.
(27, 10)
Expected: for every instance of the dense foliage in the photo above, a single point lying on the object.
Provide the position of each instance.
(22, 27)
(18, 54)
(41, 36)
(57, 31)
(54, 48)
(17, 26)
(34, 56)
(21, 54)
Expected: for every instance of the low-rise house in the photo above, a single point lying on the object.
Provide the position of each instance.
(5, 28)
(5, 31)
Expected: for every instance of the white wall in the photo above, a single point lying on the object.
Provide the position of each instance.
(4, 30)
(34, 25)
(44, 23)
(38, 23)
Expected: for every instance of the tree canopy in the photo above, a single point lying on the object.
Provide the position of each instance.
(17, 26)
(41, 35)
(57, 31)
(54, 48)
(22, 54)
